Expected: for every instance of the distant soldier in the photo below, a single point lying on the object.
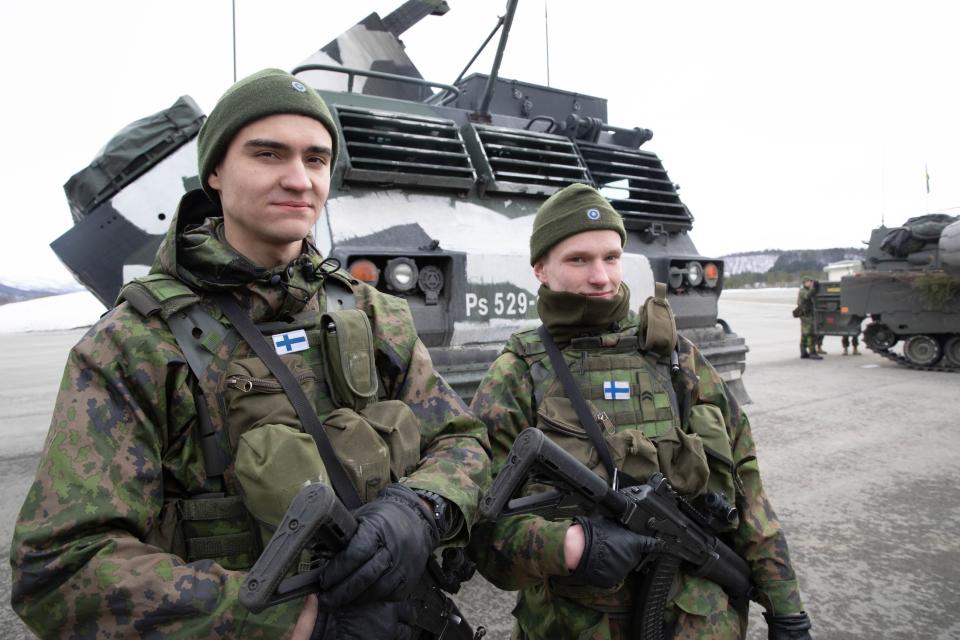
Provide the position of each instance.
(804, 311)
(845, 341)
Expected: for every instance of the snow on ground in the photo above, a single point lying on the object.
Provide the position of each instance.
(52, 313)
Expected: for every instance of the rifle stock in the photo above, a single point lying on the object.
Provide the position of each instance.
(315, 517)
(316, 521)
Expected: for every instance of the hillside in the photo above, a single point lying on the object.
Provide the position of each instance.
(18, 287)
(795, 261)
(780, 268)
(15, 294)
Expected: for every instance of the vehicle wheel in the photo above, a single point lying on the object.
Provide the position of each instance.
(879, 337)
(951, 351)
(922, 350)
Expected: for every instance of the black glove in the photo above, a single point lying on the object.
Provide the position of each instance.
(381, 620)
(790, 626)
(610, 552)
(387, 554)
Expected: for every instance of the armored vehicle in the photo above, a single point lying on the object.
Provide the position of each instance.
(432, 198)
(910, 291)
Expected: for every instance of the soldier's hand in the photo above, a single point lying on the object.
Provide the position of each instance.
(386, 556)
(610, 552)
(791, 626)
(305, 622)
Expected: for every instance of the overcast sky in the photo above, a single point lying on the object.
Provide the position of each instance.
(787, 125)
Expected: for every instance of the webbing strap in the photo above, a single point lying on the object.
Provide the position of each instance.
(586, 418)
(198, 334)
(212, 508)
(301, 404)
(232, 544)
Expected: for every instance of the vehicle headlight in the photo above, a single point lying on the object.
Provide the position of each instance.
(694, 273)
(675, 280)
(401, 274)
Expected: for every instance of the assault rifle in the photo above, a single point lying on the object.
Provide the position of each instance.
(652, 508)
(317, 525)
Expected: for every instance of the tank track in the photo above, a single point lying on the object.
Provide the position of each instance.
(902, 361)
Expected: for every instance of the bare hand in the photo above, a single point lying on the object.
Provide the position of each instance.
(308, 617)
(573, 544)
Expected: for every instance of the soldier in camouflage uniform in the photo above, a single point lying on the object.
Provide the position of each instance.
(130, 528)
(576, 577)
(808, 337)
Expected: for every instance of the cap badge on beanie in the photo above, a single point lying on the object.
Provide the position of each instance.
(593, 214)
(298, 86)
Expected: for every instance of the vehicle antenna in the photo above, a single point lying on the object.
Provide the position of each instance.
(484, 109)
(480, 50)
(546, 38)
(233, 6)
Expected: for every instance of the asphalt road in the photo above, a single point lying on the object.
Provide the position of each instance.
(859, 457)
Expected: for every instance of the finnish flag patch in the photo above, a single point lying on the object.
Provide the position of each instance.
(290, 342)
(616, 390)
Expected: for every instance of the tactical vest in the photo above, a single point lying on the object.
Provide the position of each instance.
(255, 453)
(632, 396)
(627, 380)
(632, 393)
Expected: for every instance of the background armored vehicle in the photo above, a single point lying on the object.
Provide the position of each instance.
(910, 291)
(432, 199)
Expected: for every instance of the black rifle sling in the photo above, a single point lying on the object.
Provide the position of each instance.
(308, 418)
(586, 418)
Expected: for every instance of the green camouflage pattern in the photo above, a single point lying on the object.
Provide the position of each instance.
(808, 337)
(525, 553)
(122, 449)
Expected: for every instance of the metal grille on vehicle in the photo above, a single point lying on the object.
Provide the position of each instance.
(524, 161)
(392, 148)
(637, 185)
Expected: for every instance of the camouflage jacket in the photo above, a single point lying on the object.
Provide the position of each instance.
(805, 302)
(123, 442)
(526, 552)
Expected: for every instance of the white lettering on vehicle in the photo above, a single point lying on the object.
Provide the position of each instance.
(503, 303)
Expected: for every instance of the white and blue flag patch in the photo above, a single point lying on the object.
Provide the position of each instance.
(616, 390)
(290, 342)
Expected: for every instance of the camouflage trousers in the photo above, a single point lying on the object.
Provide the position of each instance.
(808, 338)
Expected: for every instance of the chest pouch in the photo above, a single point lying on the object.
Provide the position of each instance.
(375, 446)
(631, 450)
(631, 407)
(254, 398)
(659, 325)
(274, 461)
(349, 358)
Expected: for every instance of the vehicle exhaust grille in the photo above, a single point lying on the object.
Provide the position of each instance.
(390, 149)
(637, 185)
(524, 161)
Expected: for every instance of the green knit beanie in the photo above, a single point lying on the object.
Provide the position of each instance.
(570, 211)
(265, 93)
